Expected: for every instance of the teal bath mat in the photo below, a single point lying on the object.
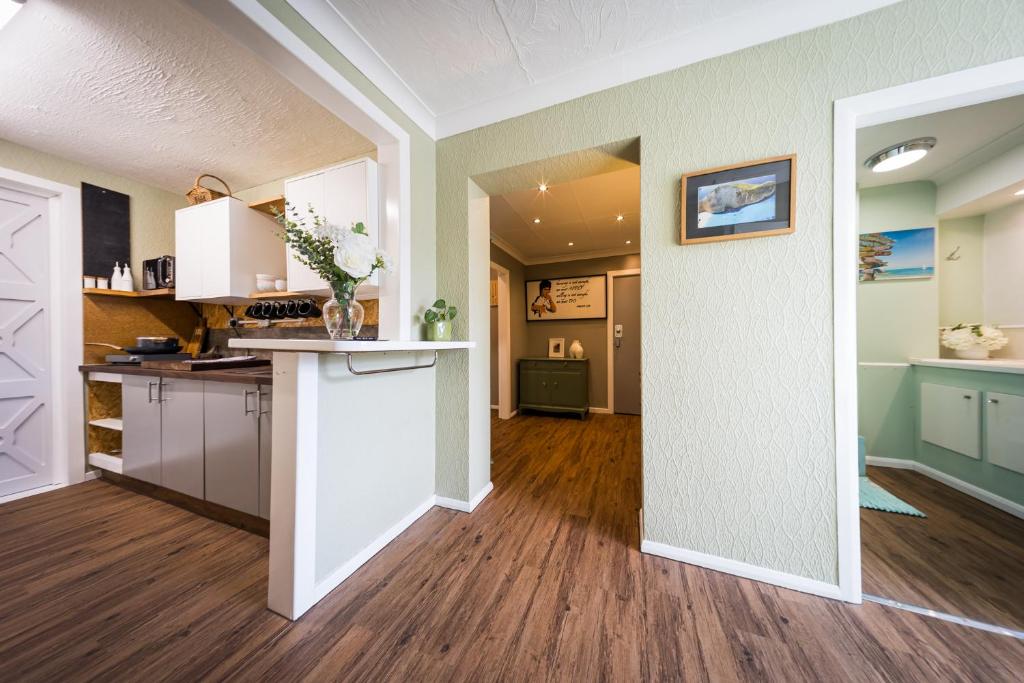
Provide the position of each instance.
(874, 497)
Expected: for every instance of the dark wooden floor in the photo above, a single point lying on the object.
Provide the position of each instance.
(966, 558)
(543, 581)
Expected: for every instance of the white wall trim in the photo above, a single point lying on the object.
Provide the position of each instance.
(884, 365)
(326, 19)
(742, 569)
(959, 89)
(894, 463)
(504, 406)
(363, 556)
(461, 505)
(253, 26)
(610, 333)
(996, 501)
(67, 403)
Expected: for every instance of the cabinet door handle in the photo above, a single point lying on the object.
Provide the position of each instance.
(993, 400)
(967, 396)
(160, 392)
(245, 402)
(259, 402)
(149, 391)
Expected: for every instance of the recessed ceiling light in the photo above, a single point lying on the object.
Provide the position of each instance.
(543, 187)
(1019, 193)
(570, 244)
(899, 156)
(619, 218)
(536, 220)
(629, 241)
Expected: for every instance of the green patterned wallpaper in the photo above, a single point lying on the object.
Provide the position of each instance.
(737, 349)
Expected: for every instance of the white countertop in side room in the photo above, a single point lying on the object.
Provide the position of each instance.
(329, 346)
(991, 365)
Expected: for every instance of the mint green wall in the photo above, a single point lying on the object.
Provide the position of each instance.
(960, 281)
(738, 433)
(1000, 481)
(897, 319)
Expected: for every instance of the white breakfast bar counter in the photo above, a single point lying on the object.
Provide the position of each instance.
(353, 456)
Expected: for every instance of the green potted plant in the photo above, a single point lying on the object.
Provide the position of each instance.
(439, 321)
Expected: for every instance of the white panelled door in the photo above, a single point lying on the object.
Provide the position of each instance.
(26, 451)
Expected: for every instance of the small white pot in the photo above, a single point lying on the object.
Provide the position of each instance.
(976, 352)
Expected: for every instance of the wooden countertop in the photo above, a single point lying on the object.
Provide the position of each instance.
(256, 375)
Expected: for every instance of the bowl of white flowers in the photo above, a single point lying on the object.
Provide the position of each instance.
(973, 342)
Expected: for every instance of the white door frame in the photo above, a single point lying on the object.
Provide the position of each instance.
(504, 343)
(612, 274)
(959, 89)
(66, 333)
(254, 27)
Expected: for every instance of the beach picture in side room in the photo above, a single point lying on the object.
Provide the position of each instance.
(897, 254)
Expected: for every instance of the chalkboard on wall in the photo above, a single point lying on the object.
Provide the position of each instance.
(106, 230)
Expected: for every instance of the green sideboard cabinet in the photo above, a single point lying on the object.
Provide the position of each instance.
(558, 385)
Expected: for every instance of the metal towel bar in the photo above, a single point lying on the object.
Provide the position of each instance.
(351, 369)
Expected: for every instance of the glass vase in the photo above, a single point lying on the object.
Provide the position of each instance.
(343, 315)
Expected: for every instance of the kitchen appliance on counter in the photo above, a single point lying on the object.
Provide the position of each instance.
(158, 273)
(146, 348)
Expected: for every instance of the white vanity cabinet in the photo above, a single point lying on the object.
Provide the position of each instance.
(951, 418)
(343, 194)
(220, 246)
(1004, 430)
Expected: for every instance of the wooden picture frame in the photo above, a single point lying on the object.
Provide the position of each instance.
(724, 186)
(556, 347)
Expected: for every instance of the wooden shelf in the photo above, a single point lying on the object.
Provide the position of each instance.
(268, 206)
(114, 423)
(284, 295)
(141, 294)
(105, 461)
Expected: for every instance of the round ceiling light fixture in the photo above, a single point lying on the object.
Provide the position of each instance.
(536, 220)
(619, 218)
(570, 244)
(901, 155)
(1019, 193)
(543, 187)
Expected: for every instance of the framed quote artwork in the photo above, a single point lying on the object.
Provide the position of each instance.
(566, 298)
(751, 199)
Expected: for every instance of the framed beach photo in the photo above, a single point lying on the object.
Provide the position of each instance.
(897, 255)
(751, 199)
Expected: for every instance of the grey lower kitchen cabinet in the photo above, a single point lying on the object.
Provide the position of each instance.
(140, 436)
(181, 435)
(232, 416)
(209, 440)
(162, 437)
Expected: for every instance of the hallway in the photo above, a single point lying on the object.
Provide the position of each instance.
(542, 581)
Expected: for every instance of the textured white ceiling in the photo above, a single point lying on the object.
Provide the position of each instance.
(474, 62)
(150, 90)
(581, 211)
(966, 138)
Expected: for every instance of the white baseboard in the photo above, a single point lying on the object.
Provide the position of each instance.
(895, 463)
(601, 411)
(10, 497)
(347, 569)
(996, 501)
(461, 505)
(742, 569)
(494, 407)
(93, 474)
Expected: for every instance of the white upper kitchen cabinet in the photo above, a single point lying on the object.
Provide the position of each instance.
(343, 194)
(220, 246)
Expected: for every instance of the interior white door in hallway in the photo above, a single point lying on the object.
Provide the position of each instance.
(26, 457)
(626, 343)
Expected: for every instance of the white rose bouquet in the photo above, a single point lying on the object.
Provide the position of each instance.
(966, 338)
(343, 256)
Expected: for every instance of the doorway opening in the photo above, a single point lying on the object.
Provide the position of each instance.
(564, 295)
(931, 464)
